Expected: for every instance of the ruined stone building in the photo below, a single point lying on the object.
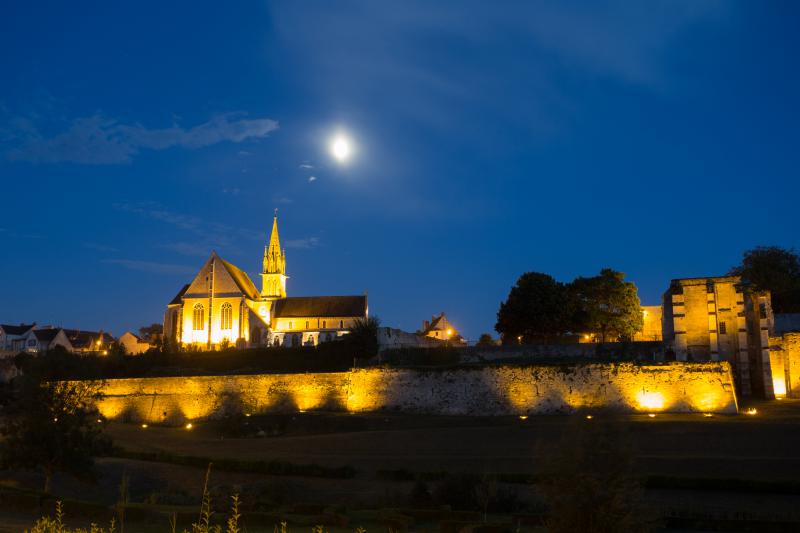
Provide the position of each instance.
(721, 319)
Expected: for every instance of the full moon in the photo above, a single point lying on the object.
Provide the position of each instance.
(340, 148)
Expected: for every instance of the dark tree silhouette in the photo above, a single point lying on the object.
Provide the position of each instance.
(773, 269)
(536, 310)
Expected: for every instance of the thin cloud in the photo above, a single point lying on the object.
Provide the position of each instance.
(100, 140)
(312, 179)
(309, 242)
(281, 199)
(149, 266)
(306, 166)
(185, 248)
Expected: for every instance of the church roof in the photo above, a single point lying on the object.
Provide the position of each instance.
(322, 306)
(178, 297)
(16, 330)
(241, 278)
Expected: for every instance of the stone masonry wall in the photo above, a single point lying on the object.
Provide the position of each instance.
(482, 391)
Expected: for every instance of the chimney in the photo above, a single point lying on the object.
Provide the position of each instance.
(425, 325)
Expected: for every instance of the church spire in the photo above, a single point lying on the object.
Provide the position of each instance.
(273, 273)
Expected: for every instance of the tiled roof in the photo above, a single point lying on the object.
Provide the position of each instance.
(179, 296)
(322, 306)
(16, 330)
(242, 280)
(46, 335)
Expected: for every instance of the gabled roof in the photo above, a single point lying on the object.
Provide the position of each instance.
(83, 339)
(46, 335)
(16, 330)
(241, 278)
(322, 306)
(179, 296)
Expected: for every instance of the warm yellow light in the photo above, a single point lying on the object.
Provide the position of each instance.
(99, 343)
(752, 411)
(189, 425)
(105, 352)
(144, 426)
(341, 148)
(779, 387)
(586, 337)
(708, 415)
(589, 417)
(523, 417)
(651, 415)
(449, 332)
(650, 400)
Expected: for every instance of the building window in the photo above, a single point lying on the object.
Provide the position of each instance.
(226, 317)
(722, 329)
(762, 309)
(341, 324)
(324, 324)
(290, 324)
(306, 324)
(198, 322)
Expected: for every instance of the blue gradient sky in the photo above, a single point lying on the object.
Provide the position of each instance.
(657, 138)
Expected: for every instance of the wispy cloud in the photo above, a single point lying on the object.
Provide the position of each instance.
(152, 267)
(212, 235)
(312, 179)
(100, 140)
(309, 242)
(281, 200)
(185, 248)
(306, 166)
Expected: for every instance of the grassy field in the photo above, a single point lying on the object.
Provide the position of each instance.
(718, 465)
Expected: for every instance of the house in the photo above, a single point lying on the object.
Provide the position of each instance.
(133, 343)
(42, 340)
(12, 338)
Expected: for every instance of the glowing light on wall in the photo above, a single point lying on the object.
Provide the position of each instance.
(650, 400)
(779, 387)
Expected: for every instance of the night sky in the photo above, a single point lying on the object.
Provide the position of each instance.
(490, 138)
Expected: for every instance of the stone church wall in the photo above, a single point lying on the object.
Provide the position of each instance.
(484, 391)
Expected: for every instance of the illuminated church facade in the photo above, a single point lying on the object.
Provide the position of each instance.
(222, 306)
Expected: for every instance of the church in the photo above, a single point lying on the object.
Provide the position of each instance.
(223, 307)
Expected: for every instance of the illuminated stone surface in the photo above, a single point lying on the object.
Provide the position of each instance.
(502, 390)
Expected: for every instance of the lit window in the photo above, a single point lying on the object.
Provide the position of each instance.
(198, 318)
(226, 317)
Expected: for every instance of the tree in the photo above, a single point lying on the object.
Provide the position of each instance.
(151, 331)
(773, 269)
(53, 426)
(485, 340)
(607, 305)
(363, 337)
(537, 310)
(589, 483)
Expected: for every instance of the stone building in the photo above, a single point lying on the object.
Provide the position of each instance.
(721, 319)
(222, 306)
(440, 328)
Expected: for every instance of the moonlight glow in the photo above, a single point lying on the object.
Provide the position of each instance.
(341, 148)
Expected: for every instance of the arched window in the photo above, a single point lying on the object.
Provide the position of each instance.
(226, 317)
(198, 322)
(341, 324)
(306, 324)
(324, 324)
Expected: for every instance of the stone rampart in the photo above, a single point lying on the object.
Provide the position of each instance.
(479, 391)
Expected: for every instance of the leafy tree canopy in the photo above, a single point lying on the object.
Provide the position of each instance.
(537, 310)
(607, 305)
(773, 269)
(541, 309)
(52, 426)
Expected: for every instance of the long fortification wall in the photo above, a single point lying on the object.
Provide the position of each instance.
(487, 391)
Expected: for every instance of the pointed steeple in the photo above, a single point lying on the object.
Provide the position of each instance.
(273, 273)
